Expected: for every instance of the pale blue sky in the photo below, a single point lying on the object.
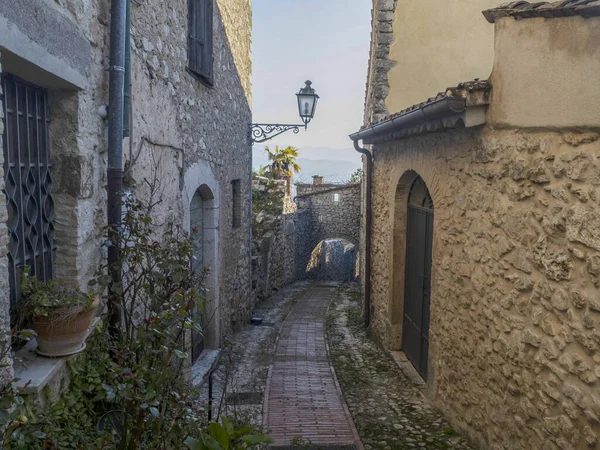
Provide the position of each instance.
(326, 41)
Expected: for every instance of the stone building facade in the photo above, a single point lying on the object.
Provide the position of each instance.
(334, 208)
(188, 149)
(491, 189)
(289, 245)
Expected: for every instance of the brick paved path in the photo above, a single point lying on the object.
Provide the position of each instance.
(302, 399)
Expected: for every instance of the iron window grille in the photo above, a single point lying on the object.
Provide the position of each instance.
(200, 39)
(28, 183)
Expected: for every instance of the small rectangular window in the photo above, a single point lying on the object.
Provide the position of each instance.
(200, 39)
(336, 197)
(236, 189)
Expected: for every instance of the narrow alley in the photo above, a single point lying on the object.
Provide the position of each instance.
(312, 377)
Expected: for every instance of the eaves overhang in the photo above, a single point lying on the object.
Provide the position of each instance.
(461, 107)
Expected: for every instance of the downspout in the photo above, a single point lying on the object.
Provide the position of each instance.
(368, 229)
(115, 153)
(127, 82)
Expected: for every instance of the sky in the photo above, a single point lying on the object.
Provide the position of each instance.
(326, 41)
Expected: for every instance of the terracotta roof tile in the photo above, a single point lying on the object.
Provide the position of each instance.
(461, 90)
(526, 10)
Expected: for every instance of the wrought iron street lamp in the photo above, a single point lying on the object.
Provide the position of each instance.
(307, 105)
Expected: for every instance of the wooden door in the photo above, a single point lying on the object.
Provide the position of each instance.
(417, 286)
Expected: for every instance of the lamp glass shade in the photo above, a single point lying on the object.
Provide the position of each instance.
(307, 102)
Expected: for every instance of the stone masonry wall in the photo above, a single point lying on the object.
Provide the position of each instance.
(199, 126)
(330, 218)
(382, 38)
(5, 374)
(277, 239)
(180, 128)
(514, 356)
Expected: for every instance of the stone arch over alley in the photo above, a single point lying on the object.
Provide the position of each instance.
(315, 234)
(333, 236)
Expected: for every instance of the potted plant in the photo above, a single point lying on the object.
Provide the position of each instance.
(59, 315)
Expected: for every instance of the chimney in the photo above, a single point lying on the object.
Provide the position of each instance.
(317, 179)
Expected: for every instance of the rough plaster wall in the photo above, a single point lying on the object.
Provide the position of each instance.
(515, 312)
(437, 45)
(562, 55)
(6, 373)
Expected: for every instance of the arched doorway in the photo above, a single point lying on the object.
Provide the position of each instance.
(202, 232)
(417, 275)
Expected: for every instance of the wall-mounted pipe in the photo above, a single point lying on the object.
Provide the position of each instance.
(368, 229)
(115, 150)
(127, 83)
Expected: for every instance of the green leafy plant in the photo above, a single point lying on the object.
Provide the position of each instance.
(283, 161)
(225, 436)
(262, 171)
(356, 177)
(270, 200)
(130, 391)
(13, 422)
(42, 298)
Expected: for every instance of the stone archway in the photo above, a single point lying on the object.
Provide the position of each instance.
(201, 216)
(411, 269)
(202, 223)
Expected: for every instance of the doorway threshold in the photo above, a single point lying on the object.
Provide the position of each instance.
(408, 369)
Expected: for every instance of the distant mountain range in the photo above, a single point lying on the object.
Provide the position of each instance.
(336, 165)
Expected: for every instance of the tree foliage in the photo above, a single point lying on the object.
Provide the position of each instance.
(283, 161)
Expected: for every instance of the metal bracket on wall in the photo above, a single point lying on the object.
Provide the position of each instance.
(261, 132)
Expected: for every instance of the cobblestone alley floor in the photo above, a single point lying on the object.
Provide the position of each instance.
(303, 404)
(388, 408)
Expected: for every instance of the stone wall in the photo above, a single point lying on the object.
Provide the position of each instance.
(331, 218)
(333, 259)
(277, 237)
(382, 37)
(184, 133)
(514, 356)
(286, 236)
(5, 374)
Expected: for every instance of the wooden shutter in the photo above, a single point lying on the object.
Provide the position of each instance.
(200, 39)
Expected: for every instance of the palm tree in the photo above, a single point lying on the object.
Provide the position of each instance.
(283, 161)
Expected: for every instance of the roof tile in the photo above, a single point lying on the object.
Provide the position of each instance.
(526, 10)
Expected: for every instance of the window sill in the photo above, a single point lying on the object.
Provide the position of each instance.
(34, 372)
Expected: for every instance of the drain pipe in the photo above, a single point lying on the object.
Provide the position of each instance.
(115, 152)
(368, 229)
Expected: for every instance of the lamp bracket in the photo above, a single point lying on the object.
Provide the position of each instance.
(261, 132)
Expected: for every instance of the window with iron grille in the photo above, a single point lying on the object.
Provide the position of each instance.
(200, 39)
(236, 187)
(28, 184)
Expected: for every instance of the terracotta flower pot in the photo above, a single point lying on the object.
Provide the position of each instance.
(63, 331)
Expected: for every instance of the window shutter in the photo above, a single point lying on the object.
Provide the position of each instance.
(207, 55)
(200, 38)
